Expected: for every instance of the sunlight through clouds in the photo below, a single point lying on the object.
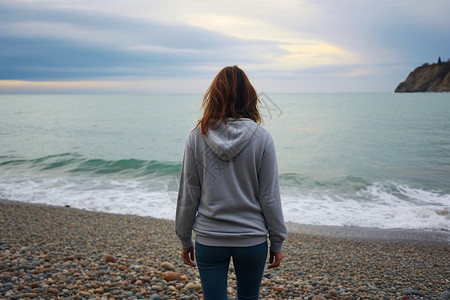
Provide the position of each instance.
(300, 53)
(288, 42)
(184, 85)
(311, 53)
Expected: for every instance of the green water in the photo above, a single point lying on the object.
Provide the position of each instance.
(377, 160)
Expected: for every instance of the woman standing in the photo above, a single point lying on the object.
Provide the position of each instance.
(229, 193)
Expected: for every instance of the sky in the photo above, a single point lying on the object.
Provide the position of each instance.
(178, 46)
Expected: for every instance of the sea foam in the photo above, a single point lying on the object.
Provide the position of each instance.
(379, 205)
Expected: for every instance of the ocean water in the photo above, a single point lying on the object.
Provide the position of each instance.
(364, 160)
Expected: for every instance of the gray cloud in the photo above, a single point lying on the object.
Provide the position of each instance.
(47, 41)
(54, 44)
(381, 32)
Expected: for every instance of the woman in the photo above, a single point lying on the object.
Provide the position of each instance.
(229, 192)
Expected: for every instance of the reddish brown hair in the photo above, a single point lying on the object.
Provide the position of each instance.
(230, 95)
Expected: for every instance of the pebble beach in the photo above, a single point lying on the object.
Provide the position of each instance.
(49, 252)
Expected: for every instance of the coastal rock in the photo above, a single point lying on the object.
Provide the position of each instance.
(427, 78)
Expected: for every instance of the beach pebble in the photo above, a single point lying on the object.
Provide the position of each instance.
(99, 290)
(30, 295)
(109, 258)
(8, 285)
(193, 286)
(168, 266)
(412, 292)
(52, 290)
(157, 287)
(69, 261)
(129, 294)
(172, 276)
(138, 282)
(445, 295)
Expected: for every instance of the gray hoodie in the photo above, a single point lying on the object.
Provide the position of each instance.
(229, 190)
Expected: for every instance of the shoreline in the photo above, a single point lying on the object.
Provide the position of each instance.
(372, 234)
(62, 252)
(341, 232)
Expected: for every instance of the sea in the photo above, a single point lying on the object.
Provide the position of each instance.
(378, 160)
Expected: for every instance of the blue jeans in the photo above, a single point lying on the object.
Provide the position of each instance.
(213, 263)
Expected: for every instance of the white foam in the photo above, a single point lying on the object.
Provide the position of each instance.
(380, 205)
(376, 206)
(117, 196)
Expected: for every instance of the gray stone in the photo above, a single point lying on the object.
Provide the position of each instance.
(412, 292)
(445, 295)
(8, 285)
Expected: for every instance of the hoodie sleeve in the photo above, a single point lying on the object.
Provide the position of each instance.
(188, 198)
(269, 197)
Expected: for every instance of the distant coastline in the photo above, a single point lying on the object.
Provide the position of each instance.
(427, 78)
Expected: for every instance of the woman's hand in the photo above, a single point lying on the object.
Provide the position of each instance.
(188, 256)
(275, 259)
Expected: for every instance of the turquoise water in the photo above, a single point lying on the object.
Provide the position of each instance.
(372, 160)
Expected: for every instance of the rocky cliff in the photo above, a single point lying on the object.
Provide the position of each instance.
(427, 78)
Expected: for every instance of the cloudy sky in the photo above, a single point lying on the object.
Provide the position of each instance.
(145, 46)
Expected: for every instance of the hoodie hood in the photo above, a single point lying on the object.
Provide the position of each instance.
(227, 141)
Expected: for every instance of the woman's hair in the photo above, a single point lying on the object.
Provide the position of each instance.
(230, 95)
